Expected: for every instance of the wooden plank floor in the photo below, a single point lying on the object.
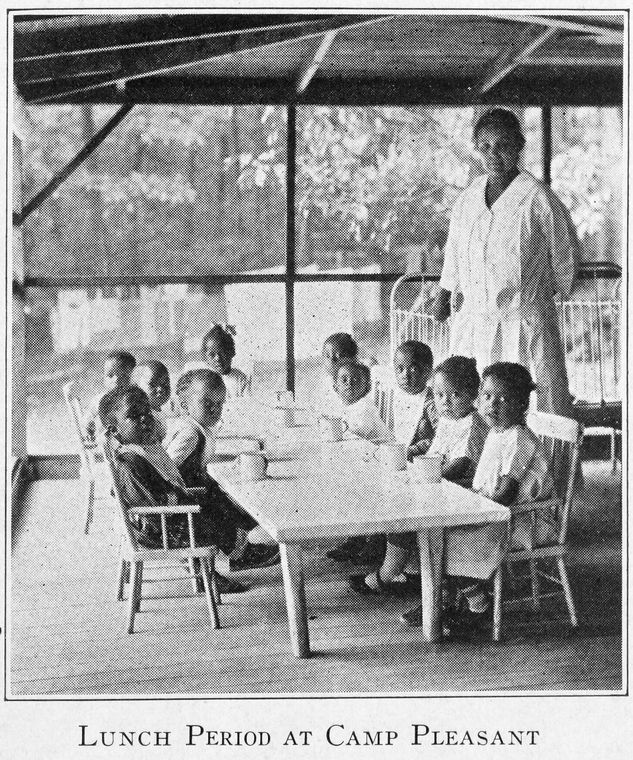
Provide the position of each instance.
(66, 633)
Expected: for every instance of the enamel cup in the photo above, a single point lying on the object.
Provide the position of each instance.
(332, 428)
(426, 469)
(252, 465)
(393, 456)
(284, 416)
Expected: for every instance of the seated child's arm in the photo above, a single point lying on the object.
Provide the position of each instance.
(181, 444)
(419, 447)
(457, 469)
(506, 490)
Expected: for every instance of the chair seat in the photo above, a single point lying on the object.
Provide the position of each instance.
(552, 550)
(146, 555)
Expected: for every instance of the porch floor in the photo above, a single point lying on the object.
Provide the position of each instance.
(67, 630)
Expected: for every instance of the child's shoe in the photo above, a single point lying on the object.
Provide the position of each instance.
(256, 556)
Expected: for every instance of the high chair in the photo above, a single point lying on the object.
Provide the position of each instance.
(561, 438)
(87, 450)
(133, 555)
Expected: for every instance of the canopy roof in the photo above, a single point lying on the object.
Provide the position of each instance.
(452, 59)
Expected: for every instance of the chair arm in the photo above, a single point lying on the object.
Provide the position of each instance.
(535, 506)
(176, 509)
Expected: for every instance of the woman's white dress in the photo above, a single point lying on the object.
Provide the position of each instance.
(508, 261)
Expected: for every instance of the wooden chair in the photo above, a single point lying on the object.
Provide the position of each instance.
(134, 555)
(562, 439)
(87, 450)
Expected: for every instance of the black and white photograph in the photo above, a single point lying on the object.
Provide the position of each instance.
(316, 359)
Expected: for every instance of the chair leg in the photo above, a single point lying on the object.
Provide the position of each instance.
(90, 505)
(139, 575)
(214, 582)
(496, 608)
(536, 590)
(123, 572)
(134, 599)
(208, 592)
(192, 572)
(564, 579)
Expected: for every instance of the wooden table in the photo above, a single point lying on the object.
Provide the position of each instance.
(319, 490)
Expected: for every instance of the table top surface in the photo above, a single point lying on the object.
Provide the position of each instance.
(316, 489)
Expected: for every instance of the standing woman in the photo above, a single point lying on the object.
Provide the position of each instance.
(511, 246)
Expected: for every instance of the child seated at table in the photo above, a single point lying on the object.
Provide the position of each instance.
(146, 475)
(153, 378)
(414, 413)
(459, 441)
(512, 470)
(117, 369)
(336, 347)
(218, 352)
(352, 383)
(190, 442)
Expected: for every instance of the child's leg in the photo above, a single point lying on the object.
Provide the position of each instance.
(396, 556)
(475, 593)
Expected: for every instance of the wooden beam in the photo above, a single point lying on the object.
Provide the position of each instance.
(551, 60)
(597, 87)
(305, 76)
(515, 54)
(182, 56)
(610, 34)
(92, 145)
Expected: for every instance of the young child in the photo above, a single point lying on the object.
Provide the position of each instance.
(153, 378)
(218, 352)
(336, 347)
(459, 440)
(190, 442)
(145, 473)
(352, 383)
(414, 413)
(512, 469)
(117, 369)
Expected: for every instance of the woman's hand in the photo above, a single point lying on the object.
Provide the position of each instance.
(441, 307)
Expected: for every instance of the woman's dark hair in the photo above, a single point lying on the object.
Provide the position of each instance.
(420, 352)
(462, 373)
(346, 345)
(515, 377)
(111, 402)
(206, 376)
(223, 338)
(499, 118)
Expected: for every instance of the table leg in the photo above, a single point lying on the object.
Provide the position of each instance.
(295, 598)
(431, 549)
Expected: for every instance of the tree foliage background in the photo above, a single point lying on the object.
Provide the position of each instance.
(197, 190)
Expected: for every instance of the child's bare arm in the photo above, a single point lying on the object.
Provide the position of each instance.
(419, 447)
(506, 491)
(456, 469)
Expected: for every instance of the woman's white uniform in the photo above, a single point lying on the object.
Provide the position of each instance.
(508, 262)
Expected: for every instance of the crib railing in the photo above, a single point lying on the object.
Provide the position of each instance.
(590, 331)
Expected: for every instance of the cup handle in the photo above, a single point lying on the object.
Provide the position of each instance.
(346, 428)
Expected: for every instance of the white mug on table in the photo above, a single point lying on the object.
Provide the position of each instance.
(332, 428)
(426, 469)
(284, 416)
(252, 465)
(392, 456)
